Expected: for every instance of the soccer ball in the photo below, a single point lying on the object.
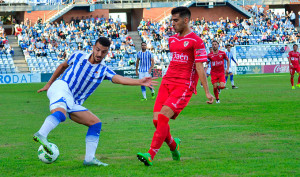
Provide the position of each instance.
(47, 158)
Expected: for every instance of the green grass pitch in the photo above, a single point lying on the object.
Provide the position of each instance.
(255, 131)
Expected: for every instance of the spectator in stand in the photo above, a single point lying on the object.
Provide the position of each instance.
(121, 63)
(18, 30)
(292, 16)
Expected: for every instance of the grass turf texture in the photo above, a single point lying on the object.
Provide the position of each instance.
(255, 131)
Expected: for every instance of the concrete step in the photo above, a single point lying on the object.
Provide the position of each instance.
(137, 40)
(19, 58)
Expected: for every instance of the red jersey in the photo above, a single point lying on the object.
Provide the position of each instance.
(217, 62)
(186, 51)
(294, 56)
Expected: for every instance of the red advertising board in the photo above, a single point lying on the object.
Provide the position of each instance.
(275, 68)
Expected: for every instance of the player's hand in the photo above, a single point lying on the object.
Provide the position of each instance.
(237, 64)
(45, 88)
(149, 71)
(227, 71)
(137, 73)
(149, 82)
(210, 98)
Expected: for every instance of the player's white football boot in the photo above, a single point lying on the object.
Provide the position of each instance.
(95, 162)
(43, 140)
(218, 101)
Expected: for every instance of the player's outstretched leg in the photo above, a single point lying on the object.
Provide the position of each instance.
(143, 88)
(49, 124)
(92, 139)
(158, 138)
(172, 143)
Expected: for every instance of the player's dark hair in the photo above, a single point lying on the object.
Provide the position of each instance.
(182, 11)
(295, 45)
(143, 43)
(228, 45)
(103, 41)
(214, 41)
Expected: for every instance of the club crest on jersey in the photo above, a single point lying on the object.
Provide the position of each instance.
(97, 74)
(220, 56)
(185, 43)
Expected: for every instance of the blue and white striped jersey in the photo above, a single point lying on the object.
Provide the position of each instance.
(145, 60)
(230, 57)
(83, 77)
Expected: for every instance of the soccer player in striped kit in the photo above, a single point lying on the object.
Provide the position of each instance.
(230, 57)
(80, 75)
(144, 65)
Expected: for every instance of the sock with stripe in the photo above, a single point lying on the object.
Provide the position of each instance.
(226, 77)
(51, 122)
(292, 81)
(91, 140)
(159, 135)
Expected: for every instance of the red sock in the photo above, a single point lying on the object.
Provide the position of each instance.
(155, 123)
(298, 80)
(216, 92)
(292, 81)
(159, 135)
(169, 139)
(221, 87)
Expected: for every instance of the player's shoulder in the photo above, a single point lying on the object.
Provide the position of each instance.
(222, 52)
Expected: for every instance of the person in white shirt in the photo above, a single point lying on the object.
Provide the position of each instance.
(293, 17)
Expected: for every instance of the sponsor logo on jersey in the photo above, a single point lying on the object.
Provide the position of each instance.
(180, 57)
(172, 41)
(185, 43)
(217, 63)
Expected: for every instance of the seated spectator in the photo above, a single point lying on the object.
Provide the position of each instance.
(131, 62)
(121, 63)
(18, 30)
(61, 55)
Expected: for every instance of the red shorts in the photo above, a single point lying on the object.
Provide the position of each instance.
(174, 96)
(217, 78)
(293, 70)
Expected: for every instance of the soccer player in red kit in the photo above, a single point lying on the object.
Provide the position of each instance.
(294, 64)
(217, 68)
(179, 83)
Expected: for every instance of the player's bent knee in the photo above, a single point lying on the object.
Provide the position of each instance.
(60, 106)
(62, 110)
(93, 121)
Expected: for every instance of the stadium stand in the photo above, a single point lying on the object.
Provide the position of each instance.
(271, 32)
(6, 53)
(46, 45)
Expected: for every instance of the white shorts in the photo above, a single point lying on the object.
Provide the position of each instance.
(59, 92)
(230, 69)
(208, 71)
(144, 74)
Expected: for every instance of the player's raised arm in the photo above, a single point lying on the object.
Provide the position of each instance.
(146, 81)
(59, 70)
